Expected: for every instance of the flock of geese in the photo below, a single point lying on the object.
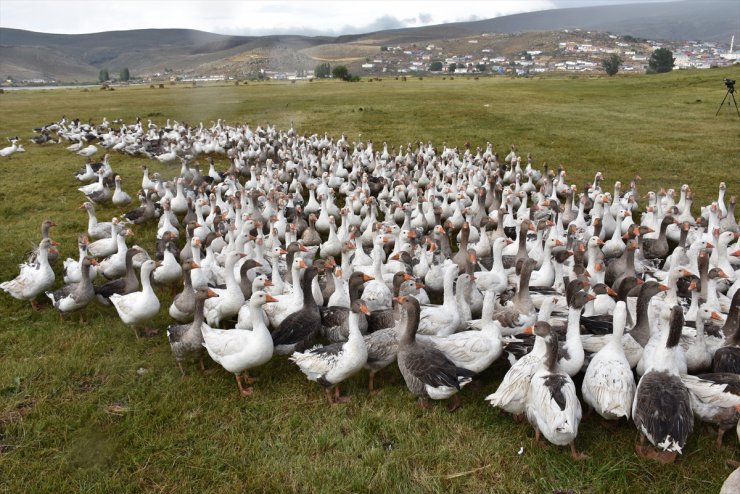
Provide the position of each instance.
(331, 252)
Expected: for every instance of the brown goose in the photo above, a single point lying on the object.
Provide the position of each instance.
(187, 339)
(428, 373)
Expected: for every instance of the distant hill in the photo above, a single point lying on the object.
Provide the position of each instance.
(710, 20)
(29, 55)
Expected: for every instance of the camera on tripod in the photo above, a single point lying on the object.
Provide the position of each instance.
(730, 83)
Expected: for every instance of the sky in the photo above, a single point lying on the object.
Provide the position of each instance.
(257, 18)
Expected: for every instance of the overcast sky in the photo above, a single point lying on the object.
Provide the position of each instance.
(249, 17)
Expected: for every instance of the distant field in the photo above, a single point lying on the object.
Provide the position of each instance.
(88, 408)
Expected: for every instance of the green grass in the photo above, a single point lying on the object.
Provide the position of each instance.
(89, 408)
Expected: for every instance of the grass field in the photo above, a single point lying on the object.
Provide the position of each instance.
(89, 408)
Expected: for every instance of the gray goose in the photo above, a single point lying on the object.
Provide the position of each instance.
(428, 373)
(183, 304)
(299, 330)
(381, 319)
(76, 296)
(727, 358)
(127, 284)
(335, 320)
(662, 407)
(187, 339)
(657, 248)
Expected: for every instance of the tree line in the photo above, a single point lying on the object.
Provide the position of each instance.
(123, 76)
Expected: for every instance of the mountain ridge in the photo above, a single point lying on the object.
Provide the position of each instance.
(79, 57)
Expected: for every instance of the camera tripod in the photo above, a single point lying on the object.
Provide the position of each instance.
(731, 93)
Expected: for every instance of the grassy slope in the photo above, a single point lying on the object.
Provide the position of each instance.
(90, 408)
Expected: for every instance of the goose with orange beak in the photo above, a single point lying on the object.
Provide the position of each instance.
(331, 364)
(238, 350)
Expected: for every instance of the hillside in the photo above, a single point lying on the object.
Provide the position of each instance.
(26, 55)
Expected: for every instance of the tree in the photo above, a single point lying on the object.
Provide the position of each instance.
(435, 66)
(451, 68)
(124, 75)
(661, 61)
(322, 71)
(341, 72)
(481, 67)
(103, 75)
(611, 64)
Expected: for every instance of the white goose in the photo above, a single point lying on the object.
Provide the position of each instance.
(474, 350)
(552, 406)
(238, 350)
(34, 279)
(230, 299)
(332, 364)
(138, 308)
(442, 320)
(608, 385)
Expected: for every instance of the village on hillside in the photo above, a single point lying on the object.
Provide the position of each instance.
(520, 54)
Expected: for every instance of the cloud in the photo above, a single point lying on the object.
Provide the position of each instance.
(425, 18)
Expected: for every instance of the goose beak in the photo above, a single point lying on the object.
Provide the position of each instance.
(269, 283)
(194, 265)
(396, 256)
(419, 286)
(302, 248)
(611, 292)
(528, 330)
(710, 245)
(157, 264)
(591, 296)
(302, 264)
(367, 277)
(270, 298)
(94, 262)
(211, 293)
(559, 243)
(599, 242)
(364, 309)
(716, 316)
(282, 252)
(257, 264)
(242, 254)
(693, 285)
(640, 281)
(400, 300)
(509, 241)
(662, 287)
